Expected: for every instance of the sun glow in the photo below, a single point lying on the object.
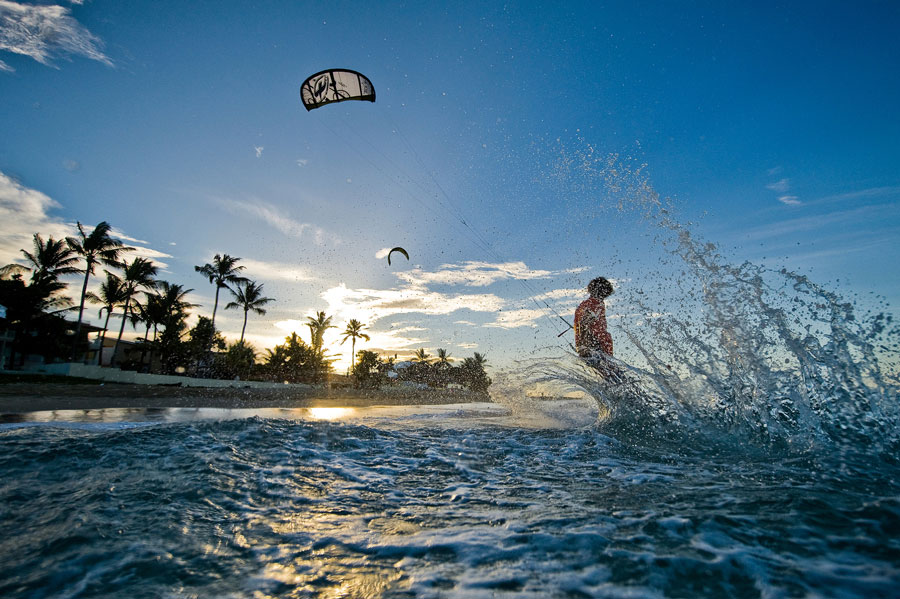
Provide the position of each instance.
(330, 413)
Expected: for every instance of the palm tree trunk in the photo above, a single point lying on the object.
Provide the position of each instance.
(144, 347)
(215, 306)
(244, 327)
(352, 354)
(87, 274)
(112, 361)
(103, 339)
(152, 350)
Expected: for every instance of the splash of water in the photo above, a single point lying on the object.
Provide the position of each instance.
(743, 352)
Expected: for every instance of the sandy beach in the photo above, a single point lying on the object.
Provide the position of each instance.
(35, 397)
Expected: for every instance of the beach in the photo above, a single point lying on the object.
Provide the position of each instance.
(37, 397)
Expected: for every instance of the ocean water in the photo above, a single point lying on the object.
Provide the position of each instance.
(750, 449)
(462, 501)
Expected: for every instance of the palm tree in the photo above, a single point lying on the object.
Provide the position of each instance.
(111, 296)
(50, 260)
(248, 295)
(136, 275)
(222, 271)
(96, 247)
(354, 332)
(443, 358)
(422, 356)
(317, 327)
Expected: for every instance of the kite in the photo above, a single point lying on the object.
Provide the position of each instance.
(396, 249)
(335, 85)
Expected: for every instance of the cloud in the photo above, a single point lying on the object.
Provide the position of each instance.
(868, 214)
(71, 165)
(271, 215)
(511, 319)
(790, 200)
(274, 271)
(872, 192)
(781, 186)
(302, 162)
(258, 150)
(24, 212)
(371, 305)
(776, 170)
(467, 345)
(473, 274)
(44, 33)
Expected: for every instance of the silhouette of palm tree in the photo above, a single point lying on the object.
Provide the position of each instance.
(136, 275)
(221, 271)
(248, 295)
(354, 332)
(96, 247)
(112, 295)
(317, 327)
(421, 356)
(50, 260)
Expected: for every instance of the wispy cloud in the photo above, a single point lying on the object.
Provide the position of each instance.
(275, 271)
(44, 33)
(24, 212)
(302, 162)
(872, 192)
(789, 200)
(781, 186)
(474, 274)
(511, 319)
(875, 213)
(371, 305)
(258, 150)
(274, 217)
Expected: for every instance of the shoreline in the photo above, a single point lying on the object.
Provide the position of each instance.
(40, 397)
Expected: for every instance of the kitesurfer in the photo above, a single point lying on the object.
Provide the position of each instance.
(592, 341)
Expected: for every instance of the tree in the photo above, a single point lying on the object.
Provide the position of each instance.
(222, 271)
(96, 247)
(50, 260)
(111, 297)
(201, 341)
(239, 359)
(248, 296)
(354, 332)
(421, 356)
(173, 307)
(473, 375)
(136, 276)
(368, 371)
(317, 327)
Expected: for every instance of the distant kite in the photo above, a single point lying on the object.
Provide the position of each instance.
(335, 85)
(396, 249)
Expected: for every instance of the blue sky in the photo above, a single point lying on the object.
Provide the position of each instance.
(772, 127)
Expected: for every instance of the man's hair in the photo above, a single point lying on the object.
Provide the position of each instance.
(600, 287)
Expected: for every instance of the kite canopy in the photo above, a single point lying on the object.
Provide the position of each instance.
(397, 249)
(335, 85)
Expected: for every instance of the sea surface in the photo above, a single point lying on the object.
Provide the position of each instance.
(450, 501)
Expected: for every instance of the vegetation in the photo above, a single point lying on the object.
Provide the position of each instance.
(33, 295)
(248, 296)
(222, 271)
(354, 332)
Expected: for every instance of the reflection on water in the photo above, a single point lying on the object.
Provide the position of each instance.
(151, 415)
(330, 413)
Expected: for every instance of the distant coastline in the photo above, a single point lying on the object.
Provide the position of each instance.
(43, 396)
